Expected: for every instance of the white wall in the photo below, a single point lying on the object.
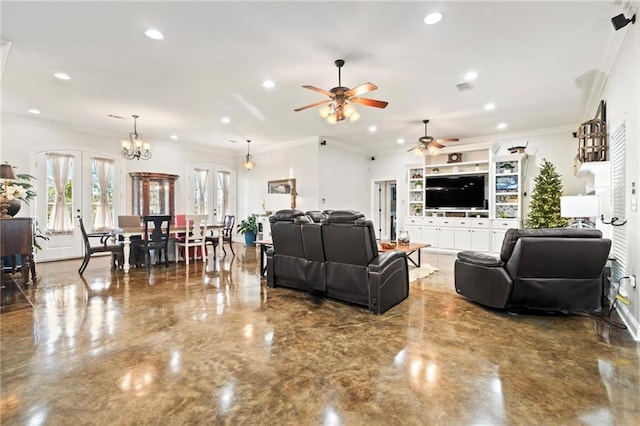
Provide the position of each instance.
(622, 94)
(344, 178)
(23, 137)
(297, 160)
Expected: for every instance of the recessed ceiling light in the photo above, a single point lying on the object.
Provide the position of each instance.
(154, 34)
(502, 126)
(490, 107)
(225, 120)
(471, 75)
(62, 76)
(174, 137)
(373, 129)
(268, 84)
(400, 141)
(34, 111)
(433, 18)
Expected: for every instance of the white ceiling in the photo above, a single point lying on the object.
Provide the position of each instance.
(536, 61)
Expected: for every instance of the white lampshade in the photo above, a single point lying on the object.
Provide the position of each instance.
(579, 206)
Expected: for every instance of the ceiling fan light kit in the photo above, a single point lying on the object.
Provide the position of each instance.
(428, 145)
(340, 106)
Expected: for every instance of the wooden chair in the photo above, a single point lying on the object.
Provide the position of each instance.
(193, 238)
(226, 235)
(155, 237)
(104, 247)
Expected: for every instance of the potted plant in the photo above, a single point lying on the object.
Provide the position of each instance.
(249, 227)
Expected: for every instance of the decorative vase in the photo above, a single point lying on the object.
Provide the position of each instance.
(249, 238)
(14, 207)
(403, 238)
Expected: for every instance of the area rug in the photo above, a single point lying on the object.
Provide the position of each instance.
(423, 271)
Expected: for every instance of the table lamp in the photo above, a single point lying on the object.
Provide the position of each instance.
(6, 174)
(580, 207)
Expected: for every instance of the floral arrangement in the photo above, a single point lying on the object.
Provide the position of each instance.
(20, 189)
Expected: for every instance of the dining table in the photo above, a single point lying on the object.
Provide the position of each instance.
(128, 232)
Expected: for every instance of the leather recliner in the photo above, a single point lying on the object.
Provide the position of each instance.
(355, 271)
(286, 263)
(545, 269)
(341, 260)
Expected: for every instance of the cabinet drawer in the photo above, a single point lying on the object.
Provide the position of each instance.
(430, 221)
(413, 220)
(480, 223)
(462, 223)
(445, 221)
(505, 224)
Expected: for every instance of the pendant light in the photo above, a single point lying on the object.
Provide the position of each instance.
(248, 163)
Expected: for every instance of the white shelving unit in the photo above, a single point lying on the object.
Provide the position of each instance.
(507, 179)
(449, 229)
(416, 191)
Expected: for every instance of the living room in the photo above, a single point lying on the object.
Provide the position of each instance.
(335, 167)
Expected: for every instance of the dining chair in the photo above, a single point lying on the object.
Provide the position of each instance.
(226, 235)
(104, 247)
(194, 238)
(155, 238)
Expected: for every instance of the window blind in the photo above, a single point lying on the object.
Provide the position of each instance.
(618, 180)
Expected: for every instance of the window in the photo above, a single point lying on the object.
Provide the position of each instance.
(101, 193)
(618, 190)
(59, 193)
(222, 193)
(200, 191)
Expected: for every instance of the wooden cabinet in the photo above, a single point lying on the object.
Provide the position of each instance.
(16, 238)
(153, 193)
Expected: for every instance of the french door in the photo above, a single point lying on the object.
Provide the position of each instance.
(211, 191)
(72, 183)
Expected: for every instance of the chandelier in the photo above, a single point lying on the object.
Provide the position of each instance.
(135, 147)
(338, 110)
(248, 162)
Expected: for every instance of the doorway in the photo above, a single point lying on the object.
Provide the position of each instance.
(385, 209)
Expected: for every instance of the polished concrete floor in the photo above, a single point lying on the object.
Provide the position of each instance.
(213, 345)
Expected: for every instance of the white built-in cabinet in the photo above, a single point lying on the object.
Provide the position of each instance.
(467, 229)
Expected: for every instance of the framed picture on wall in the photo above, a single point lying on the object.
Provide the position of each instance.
(282, 186)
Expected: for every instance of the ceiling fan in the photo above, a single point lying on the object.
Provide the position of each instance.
(428, 144)
(341, 100)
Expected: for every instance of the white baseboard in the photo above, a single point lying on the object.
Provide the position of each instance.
(632, 324)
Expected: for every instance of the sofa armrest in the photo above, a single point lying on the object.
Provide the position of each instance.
(388, 281)
(479, 259)
(379, 263)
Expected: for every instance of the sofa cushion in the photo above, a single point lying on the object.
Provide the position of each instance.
(343, 216)
(479, 259)
(512, 236)
(285, 215)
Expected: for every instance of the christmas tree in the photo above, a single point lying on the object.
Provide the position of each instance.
(545, 200)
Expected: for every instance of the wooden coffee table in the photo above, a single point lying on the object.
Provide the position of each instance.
(409, 249)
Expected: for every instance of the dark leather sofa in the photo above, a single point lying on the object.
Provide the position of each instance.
(337, 258)
(546, 269)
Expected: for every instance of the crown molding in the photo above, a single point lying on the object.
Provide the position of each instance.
(485, 142)
(43, 122)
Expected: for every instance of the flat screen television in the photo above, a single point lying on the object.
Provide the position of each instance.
(455, 192)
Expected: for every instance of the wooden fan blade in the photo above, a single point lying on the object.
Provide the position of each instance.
(359, 90)
(437, 145)
(447, 140)
(324, 92)
(312, 105)
(369, 102)
(415, 148)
